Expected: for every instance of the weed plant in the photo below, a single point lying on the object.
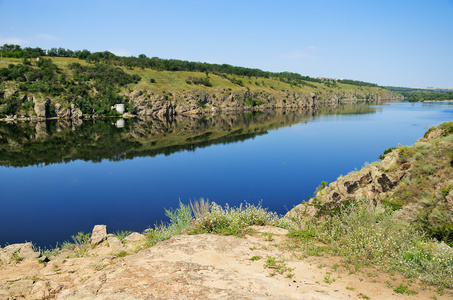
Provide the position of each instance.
(180, 219)
(121, 235)
(213, 218)
(80, 244)
(369, 235)
(235, 220)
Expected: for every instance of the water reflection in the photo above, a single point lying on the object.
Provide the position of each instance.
(62, 141)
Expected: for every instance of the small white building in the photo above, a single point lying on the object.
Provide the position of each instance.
(119, 108)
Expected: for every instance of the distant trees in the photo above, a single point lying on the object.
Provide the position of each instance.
(142, 61)
(202, 81)
(15, 51)
(357, 82)
(420, 96)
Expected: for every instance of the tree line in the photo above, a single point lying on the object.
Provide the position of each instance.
(142, 61)
(420, 96)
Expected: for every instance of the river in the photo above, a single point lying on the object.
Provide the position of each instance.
(58, 178)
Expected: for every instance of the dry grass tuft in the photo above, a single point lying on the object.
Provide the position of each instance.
(200, 207)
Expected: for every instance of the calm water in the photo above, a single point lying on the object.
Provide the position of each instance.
(58, 179)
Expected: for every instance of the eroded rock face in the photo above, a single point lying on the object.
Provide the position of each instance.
(375, 183)
(41, 107)
(76, 113)
(61, 112)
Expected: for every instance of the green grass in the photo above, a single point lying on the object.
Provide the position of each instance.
(215, 219)
(122, 234)
(175, 82)
(403, 289)
(368, 235)
(16, 256)
(120, 254)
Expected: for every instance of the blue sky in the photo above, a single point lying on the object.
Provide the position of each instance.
(397, 42)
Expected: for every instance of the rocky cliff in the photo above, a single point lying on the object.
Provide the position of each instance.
(195, 102)
(416, 182)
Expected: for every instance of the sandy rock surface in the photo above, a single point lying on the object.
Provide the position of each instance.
(184, 267)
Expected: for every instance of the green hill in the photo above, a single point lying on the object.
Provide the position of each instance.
(36, 86)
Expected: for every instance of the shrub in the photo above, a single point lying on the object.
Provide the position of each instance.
(235, 220)
(382, 156)
(370, 235)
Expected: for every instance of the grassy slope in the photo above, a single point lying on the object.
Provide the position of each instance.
(398, 229)
(175, 81)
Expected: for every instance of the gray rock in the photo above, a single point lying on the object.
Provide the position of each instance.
(62, 112)
(41, 107)
(98, 235)
(76, 112)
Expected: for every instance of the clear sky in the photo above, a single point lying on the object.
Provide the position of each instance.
(389, 42)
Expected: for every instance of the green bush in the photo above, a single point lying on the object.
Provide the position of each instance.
(382, 156)
(369, 235)
(235, 220)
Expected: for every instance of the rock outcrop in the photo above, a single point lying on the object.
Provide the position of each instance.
(416, 182)
(184, 267)
(168, 104)
(76, 113)
(98, 235)
(41, 107)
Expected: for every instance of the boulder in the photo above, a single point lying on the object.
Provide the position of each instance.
(76, 113)
(40, 107)
(98, 235)
(62, 112)
(134, 237)
(18, 252)
(114, 242)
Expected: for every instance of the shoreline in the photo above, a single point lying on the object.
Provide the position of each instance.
(173, 111)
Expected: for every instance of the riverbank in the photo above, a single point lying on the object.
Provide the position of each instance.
(68, 88)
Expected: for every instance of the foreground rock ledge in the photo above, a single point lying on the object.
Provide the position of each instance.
(184, 267)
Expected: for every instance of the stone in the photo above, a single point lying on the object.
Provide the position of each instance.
(76, 113)
(41, 107)
(114, 242)
(98, 235)
(62, 112)
(351, 186)
(19, 288)
(134, 237)
(128, 116)
(43, 259)
(386, 183)
(23, 251)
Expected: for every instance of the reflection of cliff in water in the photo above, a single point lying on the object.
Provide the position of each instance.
(62, 141)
